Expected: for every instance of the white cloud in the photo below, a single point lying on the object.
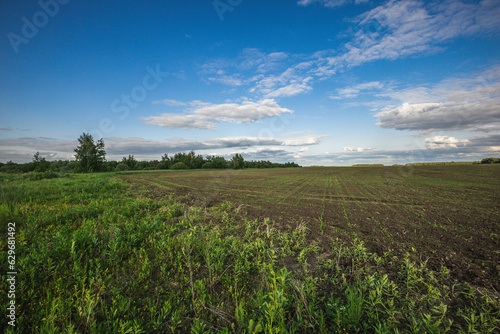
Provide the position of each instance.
(41, 144)
(439, 142)
(250, 59)
(444, 149)
(232, 81)
(175, 103)
(168, 102)
(357, 149)
(288, 83)
(292, 89)
(393, 30)
(22, 149)
(354, 91)
(453, 104)
(206, 117)
(404, 28)
(304, 140)
(139, 146)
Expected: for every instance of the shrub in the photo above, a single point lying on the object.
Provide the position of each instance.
(207, 165)
(121, 167)
(48, 174)
(179, 165)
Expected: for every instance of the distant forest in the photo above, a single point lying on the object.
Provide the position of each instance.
(90, 157)
(176, 162)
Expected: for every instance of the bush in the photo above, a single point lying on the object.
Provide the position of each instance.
(207, 165)
(48, 174)
(121, 167)
(179, 165)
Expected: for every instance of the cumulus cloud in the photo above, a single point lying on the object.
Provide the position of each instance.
(459, 103)
(304, 140)
(442, 116)
(485, 143)
(206, 117)
(440, 142)
(144, 146)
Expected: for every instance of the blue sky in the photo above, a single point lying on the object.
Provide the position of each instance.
(318, 82)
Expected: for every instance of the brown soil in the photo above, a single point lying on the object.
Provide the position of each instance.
(449, 214)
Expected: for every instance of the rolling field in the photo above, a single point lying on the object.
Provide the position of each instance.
(449, 213)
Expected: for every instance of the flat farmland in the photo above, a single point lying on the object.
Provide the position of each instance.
(449, 214)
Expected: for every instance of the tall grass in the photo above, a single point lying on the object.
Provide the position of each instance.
(94, 258)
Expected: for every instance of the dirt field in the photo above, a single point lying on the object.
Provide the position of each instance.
(449, 213)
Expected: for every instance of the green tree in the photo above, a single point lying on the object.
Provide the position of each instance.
(217, 162)
(237, 162)
(41, 164)
(490, 160)
(165, 162)
(130, 161)
(89, 154)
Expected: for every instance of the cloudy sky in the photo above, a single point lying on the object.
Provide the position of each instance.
(318, 82)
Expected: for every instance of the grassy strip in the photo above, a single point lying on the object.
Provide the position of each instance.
(92, 258)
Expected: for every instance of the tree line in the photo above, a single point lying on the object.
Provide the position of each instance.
(90, 156)
(490, 160)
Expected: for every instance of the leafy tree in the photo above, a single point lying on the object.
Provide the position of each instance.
(89, 154)
(490, 160)
(165, 162)
(41, 164)
(130, 162)
(237, 161)
(195, 161)
(10, 167)
(217, 162)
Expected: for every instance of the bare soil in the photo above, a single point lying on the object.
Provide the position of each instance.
(450, 214)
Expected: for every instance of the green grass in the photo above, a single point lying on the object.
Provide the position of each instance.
(92, 257)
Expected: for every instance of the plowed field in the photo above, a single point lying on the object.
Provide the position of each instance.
(449, 213)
